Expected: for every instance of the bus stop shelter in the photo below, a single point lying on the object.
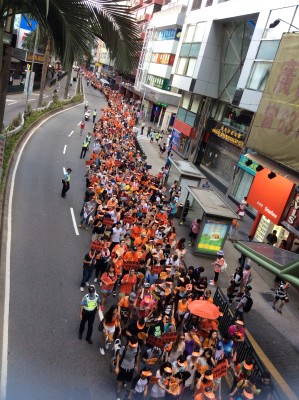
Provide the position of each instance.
(216, 217)
(185, 173)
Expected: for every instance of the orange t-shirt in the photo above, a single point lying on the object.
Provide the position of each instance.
(127, 283)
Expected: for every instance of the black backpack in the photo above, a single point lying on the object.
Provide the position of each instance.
(247, 306)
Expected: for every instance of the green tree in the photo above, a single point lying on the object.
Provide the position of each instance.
(72, 25)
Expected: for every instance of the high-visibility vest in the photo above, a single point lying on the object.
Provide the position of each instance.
(94, 113)
(91, 304)
(85, 143)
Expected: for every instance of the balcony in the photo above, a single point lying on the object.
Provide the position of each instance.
(134, 4)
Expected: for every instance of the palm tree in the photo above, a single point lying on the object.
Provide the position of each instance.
(72, 25)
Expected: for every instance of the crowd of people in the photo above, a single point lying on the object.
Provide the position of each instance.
(135, 276)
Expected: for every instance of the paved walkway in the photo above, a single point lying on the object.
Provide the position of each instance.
(276, 334)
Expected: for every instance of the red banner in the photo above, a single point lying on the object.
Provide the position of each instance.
(130, 265)
(162, 340)
(220, 369)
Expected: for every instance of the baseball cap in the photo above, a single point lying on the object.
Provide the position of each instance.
(220, 253)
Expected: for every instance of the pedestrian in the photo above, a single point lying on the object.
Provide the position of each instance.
(85, 145)
(235, 282)
(142, 128)
(246, 279)
(127, 360)
(82, 127)
(272, 238)
(162, 150)
(219, 264)
(101, 262)
(282, 295)
(241, 207)
(108, 280)
(242, 258)
(140, 383)
(88, 210)
(152, 136)
(117, 231)
(233, 228)
(194, 229)
(244, 304)
(149, 128)
(128, 283)
(110, 328)
(88, 308)
(94, 115)
(87, 269)
(66, 182)
(168, 160)
(157, 137)
(86, 105)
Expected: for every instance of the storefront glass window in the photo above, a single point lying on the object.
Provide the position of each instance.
(190, 118)
(237, 118)
(221, 157)
(265, 227)
(185, 49)
(259, 75)
(241, 187)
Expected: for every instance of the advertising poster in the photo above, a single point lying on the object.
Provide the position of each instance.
(212, 236)
(175, 139)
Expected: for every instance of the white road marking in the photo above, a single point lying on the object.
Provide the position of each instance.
(64, 170)
(71, 133)
(79, 123)
(3, 384)
(64, 149)
(74, 221)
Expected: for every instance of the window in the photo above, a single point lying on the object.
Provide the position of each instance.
(185, 49)
(199, 32)
(259, 75)
(196, 5)
(267, 49)
(189, 33)
(209, 3)
(285, 14)
(182, 66)
(191, 66)
(186, 100)
(194, 50)
(195, 105)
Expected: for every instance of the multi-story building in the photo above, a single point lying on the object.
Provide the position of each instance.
(222, 65)
(155, 67)
(221, 68)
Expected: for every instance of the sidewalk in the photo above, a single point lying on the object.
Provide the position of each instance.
(276, 334)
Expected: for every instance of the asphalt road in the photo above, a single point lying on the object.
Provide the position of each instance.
(15, 103)
(46, 359)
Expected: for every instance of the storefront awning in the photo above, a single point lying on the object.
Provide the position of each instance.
(158, 95)
(280, 262)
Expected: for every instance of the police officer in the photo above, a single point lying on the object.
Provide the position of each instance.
(88, 309)
(85, 145)
(66, 182)
(94, 115)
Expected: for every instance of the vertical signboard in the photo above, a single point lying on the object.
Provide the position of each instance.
(212, 236)
(275, 129)
(28, 86)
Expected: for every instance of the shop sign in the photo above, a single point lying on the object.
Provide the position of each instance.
(275, 128)
(251, 169)
(182, 127)
(229, 134)
(175, 138)
(169, 34)
(156, 81)
(212, 236)
(270, 196)
(293, 213)
(37, 57)
(162, 104)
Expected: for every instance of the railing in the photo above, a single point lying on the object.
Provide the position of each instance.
(20, 88)
(244, 349)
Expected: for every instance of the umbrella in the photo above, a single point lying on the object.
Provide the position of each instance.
(204, 309)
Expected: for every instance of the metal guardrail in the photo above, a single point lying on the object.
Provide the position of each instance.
(20, 88)
(244, 349)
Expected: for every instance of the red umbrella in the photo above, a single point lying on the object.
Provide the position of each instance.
(204, 309)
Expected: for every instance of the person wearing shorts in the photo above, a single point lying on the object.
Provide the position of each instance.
(127, 361)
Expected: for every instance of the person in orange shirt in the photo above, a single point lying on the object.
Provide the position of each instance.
(126, 306)
(108, 280)
(128, 283)
(120, 249)
(136, 230)
(206, 325)
(141, 240)
(207, 296)
(131, 255)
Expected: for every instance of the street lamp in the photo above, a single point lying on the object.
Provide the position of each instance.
(277, 21)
